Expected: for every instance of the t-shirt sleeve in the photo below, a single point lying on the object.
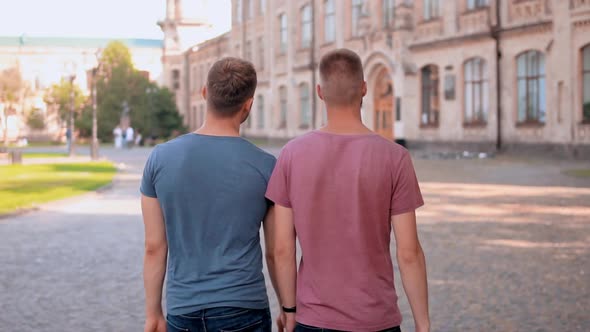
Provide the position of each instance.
(278, 186)
(406, 195)
(148, 187)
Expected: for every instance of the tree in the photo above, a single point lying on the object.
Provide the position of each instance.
(119, 83)
(60, 95)
(11, 85)
(36, 119)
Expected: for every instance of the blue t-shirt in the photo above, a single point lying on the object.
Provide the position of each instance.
(211, 190)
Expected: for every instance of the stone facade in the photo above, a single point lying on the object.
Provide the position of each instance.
(458, 72)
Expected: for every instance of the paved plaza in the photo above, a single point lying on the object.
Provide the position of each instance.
(507, 244)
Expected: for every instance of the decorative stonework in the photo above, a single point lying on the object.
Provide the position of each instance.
(577, 5)
(475, 21)
(523, 11)
(429, 30)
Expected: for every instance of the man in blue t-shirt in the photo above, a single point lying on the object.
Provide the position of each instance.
(203, 204)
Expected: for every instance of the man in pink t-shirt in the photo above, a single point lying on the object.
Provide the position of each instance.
(340, 190)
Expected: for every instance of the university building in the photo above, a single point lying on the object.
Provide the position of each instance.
(477, 73)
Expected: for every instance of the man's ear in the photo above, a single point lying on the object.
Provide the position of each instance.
(204, 92)
(319, 91)
(364, 88)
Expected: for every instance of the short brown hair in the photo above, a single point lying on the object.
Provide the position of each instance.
(230, 83)
(342, 77)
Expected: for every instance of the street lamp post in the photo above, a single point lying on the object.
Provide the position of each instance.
(71, 150)
(94, 154)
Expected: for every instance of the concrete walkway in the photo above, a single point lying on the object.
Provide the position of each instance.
(507, 245)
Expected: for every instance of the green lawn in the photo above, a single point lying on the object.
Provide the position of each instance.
(44, 155)
(581, 173)
(27, 186)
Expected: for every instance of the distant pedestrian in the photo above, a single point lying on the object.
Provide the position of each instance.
(203, 204)
(118, 137)
(129, 137)
(340, 190)
(138, 139)
(68, 138)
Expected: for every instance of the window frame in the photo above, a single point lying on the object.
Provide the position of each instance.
(357, 11)
(306, 26)
(430, 10)
(530, 80)
(283, 33)
(283, 107)
(472, 5)
(329, 22)
(388, 17)
(304, 106)
(432, 86)
(477, 82)
(260, 121)
(585, 71)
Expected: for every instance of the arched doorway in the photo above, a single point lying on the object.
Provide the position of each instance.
(383, 104)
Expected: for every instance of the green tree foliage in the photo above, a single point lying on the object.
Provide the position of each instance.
(11, 86)
(36, 119)
(60, 95)
(152, 110)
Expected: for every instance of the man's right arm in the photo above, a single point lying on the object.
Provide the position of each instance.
(412, 265)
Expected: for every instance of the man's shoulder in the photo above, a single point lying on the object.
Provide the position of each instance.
(300, 142)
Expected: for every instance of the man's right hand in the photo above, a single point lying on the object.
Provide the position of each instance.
(155, 324)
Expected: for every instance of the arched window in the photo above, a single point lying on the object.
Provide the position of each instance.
(430, 99)
(476, 91)
(260, 114)
(283, 105)
(304, 107)
(586, 84)
(306, 26)
(531, 87)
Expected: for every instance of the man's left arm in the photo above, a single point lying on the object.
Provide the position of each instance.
(155, 259)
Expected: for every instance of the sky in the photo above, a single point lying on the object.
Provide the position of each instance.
(96, 18)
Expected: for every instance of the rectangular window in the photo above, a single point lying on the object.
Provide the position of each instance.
(248, 51)
(476, 91)
(431, 9)
(306, 26)
(388, 11)
(357, 13)
(262, 7)
(531, 87)
(586, 84)
(249, 9)
(283, 33)
(260, 115)
(430, 99)
(475, 4)
(261, 53)
(239, 12)
(175, 79)
(283, 108)
(304, 101)
(329, 21)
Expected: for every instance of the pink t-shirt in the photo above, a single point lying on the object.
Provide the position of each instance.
(343, 190)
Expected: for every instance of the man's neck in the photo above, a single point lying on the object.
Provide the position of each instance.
(216, 126)
(345, 120)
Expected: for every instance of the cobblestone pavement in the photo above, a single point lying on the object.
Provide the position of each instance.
(507, 246)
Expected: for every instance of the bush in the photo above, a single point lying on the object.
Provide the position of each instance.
(36, 119)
